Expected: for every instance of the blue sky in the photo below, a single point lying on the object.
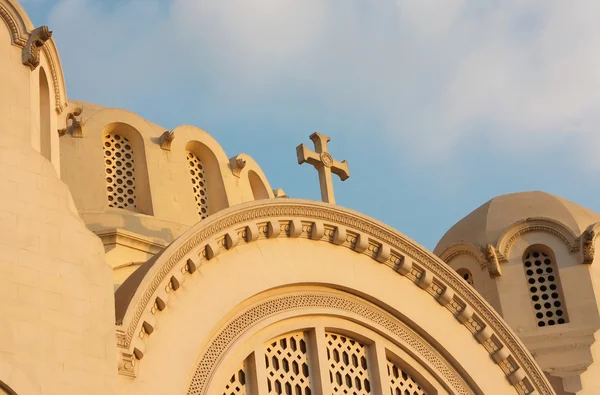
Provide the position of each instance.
(438, 106)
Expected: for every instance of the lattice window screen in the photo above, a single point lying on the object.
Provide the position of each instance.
(348, 370)
(287, 365)
(237, 383)
(120, 171)
(401, 383)
(542, 278)
(198, 179)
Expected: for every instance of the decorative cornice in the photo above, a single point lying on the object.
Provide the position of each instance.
(31, 52)
(129, 239)
(346, 228)
(366, 312)
(17, 36)
(572, 246)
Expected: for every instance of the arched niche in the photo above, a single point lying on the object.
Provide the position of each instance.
(259, 190)
(264, 262)
(131, 144)
(45, 109)
(215, 187)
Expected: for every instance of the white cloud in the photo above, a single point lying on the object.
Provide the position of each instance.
(434, 73)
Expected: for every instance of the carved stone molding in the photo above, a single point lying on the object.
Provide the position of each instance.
(17, 36)
(538, 225)
(588, 241)
(166, 139)
(250, 221)
(493, 265)
(74, 126)
(461, 248)
(367, 313)
(31, 52)
(21, 39)
(237, 164)
(280, 193)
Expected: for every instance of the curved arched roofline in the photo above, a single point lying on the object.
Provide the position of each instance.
(20, 27)
(339, 227)
(512, 234)
(194, 133)
(17, 21)
(252, 165)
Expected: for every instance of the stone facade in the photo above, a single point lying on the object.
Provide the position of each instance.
(140, 260)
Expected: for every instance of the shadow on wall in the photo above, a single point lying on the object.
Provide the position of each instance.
(134, 223)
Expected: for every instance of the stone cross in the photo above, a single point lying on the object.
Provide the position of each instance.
(324, 163)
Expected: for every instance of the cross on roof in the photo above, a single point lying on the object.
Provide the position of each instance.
(324, 163)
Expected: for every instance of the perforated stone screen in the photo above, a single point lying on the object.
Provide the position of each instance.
(287, 365)
(237, 383)
(120, 171)
(401, 383)
(197, 177)
(544, 287)
(348, 370)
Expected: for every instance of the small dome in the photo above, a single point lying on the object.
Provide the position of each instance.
(488, 223)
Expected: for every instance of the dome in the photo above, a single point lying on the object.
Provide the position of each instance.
(488, 223)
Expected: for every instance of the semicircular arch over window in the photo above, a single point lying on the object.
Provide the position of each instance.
(317, 360)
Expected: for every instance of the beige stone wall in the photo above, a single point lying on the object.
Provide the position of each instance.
(590, 378)
(165, 199)
(228, 282)
(57, 313)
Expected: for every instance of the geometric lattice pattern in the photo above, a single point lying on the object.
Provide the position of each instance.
(120, 171)
(287, 365)
(348, 370)
(401, 383)
(544, 288)
(198, 184)
(236, 384)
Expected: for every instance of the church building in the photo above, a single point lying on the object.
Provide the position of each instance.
(143, 261)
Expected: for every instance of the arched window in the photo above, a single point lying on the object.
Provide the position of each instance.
(544, 286)
(45, 133)
(119, 165)
(198, 179)
(466, 275)
(291, 366)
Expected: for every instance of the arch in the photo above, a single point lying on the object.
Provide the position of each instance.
(215, 188)
(546, 225)
(45, 120)
(259, 190)
(466, 275)
(126, 166)
(543, 279)
(17, 21)
(378, 348)
(144, 298)
(463, 248)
